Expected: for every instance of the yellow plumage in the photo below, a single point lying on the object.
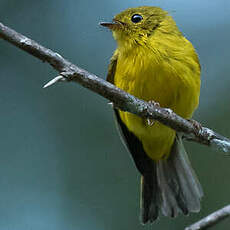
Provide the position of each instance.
(155, 62)
(163, 68)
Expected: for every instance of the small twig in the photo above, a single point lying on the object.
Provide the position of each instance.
(120, 98)
(53, 81)
(211, 220)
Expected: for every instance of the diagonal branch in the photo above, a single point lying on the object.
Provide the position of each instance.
(120, 99)
(211, 219)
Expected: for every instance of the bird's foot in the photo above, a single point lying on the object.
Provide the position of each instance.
(151, 122)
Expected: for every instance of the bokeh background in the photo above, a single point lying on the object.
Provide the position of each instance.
(62, 164)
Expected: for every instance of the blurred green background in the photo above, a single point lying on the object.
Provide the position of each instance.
(62, 163)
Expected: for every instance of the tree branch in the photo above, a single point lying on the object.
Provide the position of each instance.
(211, 219)
(121, 99)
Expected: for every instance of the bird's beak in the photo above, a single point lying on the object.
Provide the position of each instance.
(115, 24)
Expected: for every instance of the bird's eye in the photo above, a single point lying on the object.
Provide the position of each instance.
(136, 18)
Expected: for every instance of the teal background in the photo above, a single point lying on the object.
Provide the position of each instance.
(62, 164)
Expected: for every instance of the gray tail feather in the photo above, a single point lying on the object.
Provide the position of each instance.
(173, 188)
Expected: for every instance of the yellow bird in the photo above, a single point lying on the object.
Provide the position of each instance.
(155, 62)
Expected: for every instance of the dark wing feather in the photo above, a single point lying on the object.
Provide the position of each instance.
(143, 163)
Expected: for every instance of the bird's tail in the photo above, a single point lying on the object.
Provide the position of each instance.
(172, 188)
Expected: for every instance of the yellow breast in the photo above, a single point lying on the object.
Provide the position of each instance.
(173, 82)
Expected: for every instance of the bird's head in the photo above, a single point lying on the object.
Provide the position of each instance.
(136, 25)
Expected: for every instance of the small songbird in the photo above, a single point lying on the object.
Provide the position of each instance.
(155, 62)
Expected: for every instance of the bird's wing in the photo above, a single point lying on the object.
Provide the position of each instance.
(133, 144)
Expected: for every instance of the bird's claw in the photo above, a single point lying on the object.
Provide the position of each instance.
(154, 103)
(151, 122)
